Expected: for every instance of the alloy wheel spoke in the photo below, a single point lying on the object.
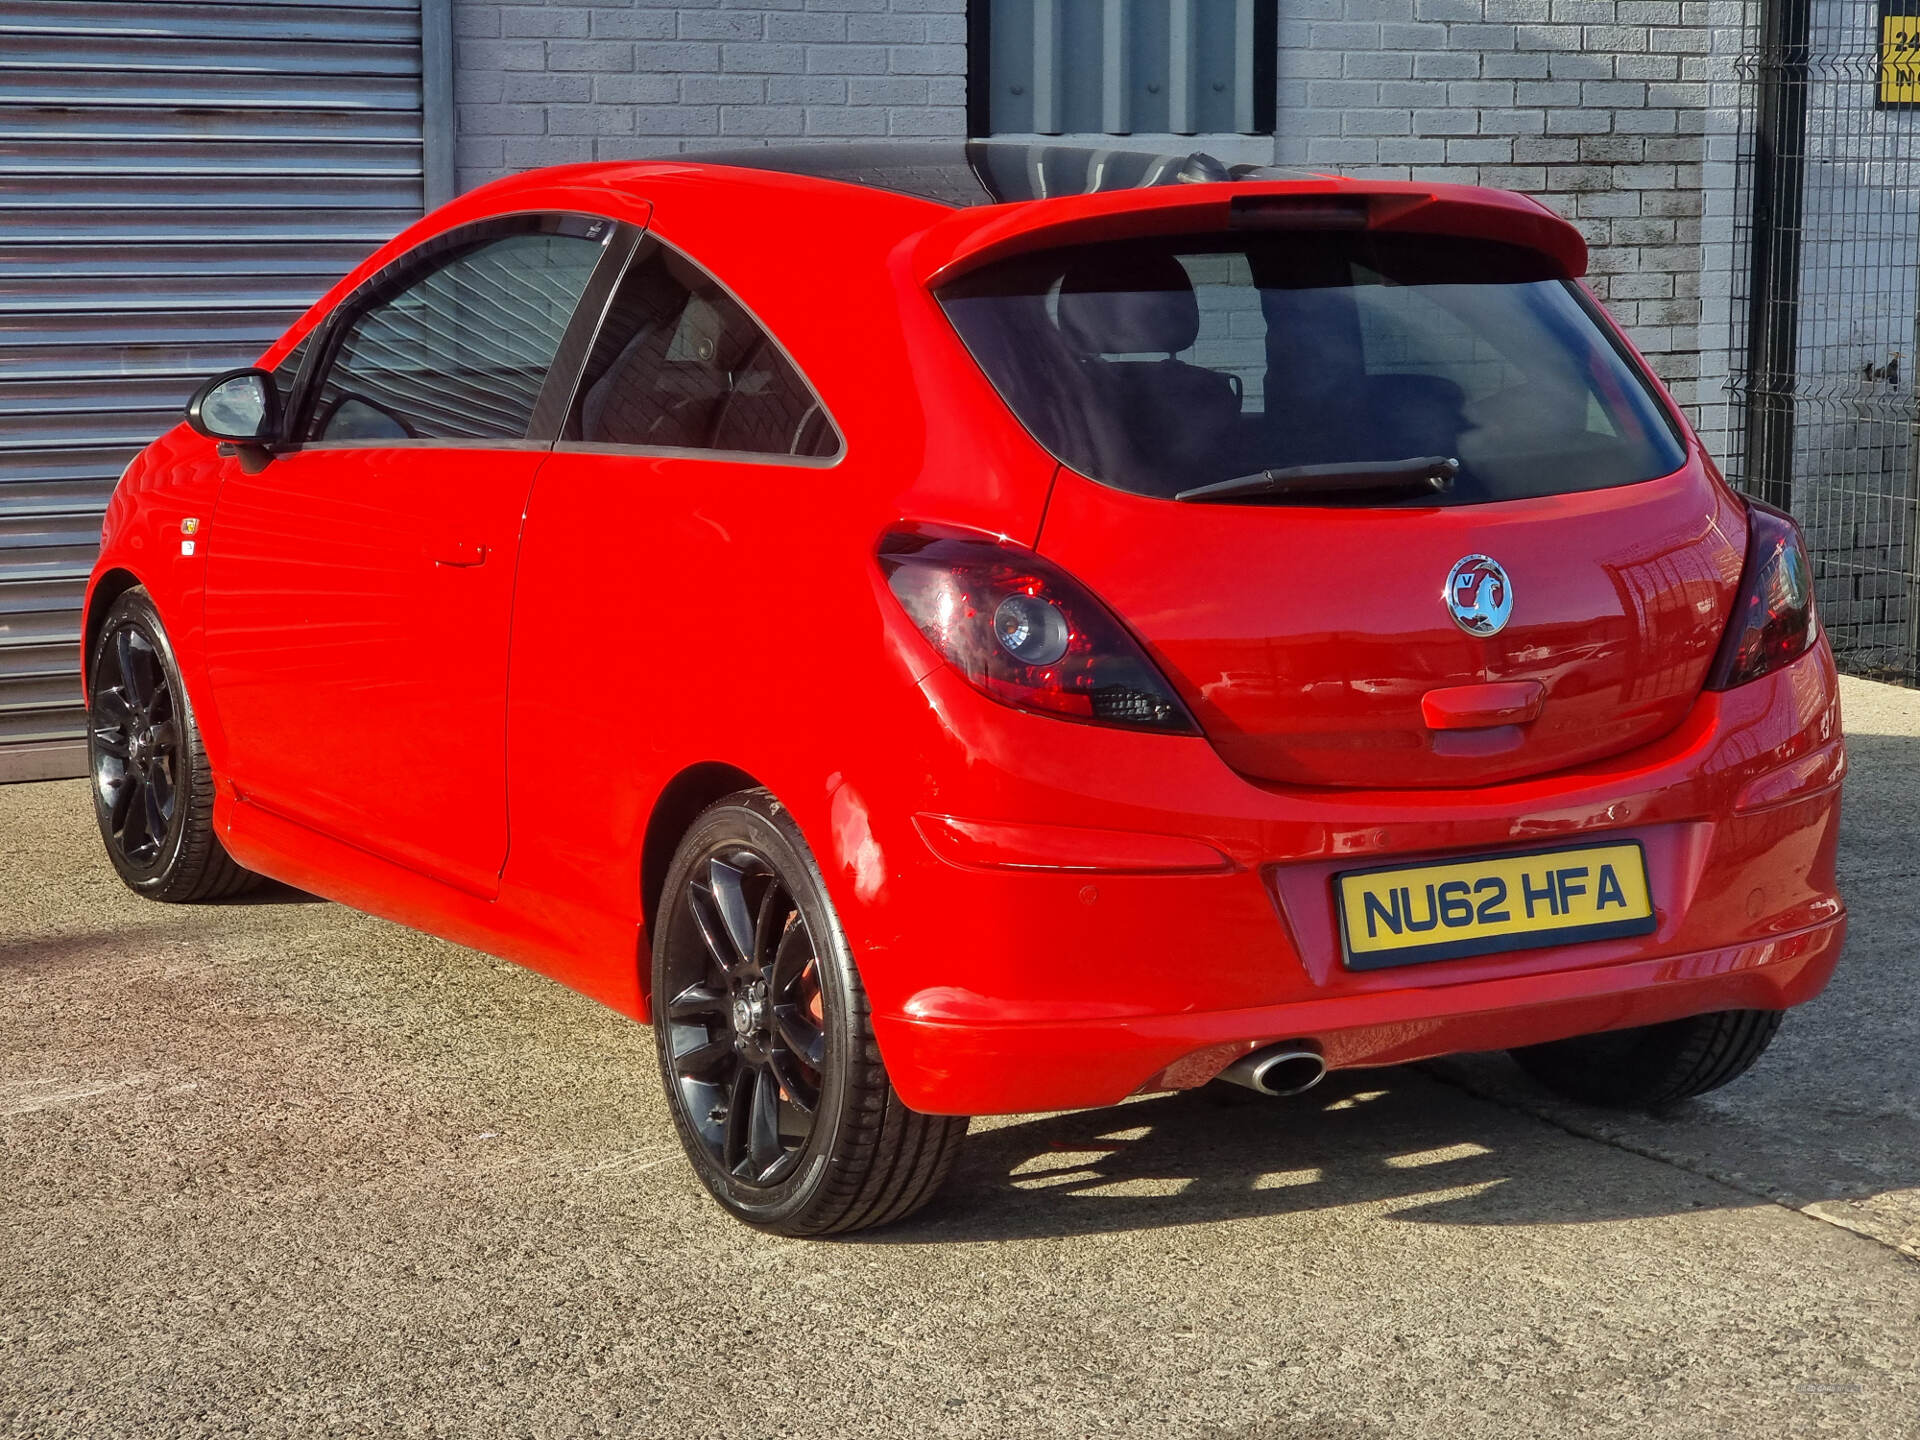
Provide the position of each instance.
(713, 933)
(134, 677)
(705, 1061)
(130, 815)
(111, 740)
(729, 890)
(160, 786)
(800, 1092)
(740, 1101)
(165, 737)
(697, 999)
(763, 1131)
(801, 1035)
(769, 923)
(157, 806)
(110, 703)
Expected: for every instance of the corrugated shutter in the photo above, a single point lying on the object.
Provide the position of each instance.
(178, 180)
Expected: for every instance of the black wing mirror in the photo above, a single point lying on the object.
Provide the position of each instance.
(241, 406)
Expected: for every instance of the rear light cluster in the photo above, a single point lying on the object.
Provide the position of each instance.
(1026, 633)
(1773, 622)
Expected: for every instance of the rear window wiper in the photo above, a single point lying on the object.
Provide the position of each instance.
(1422, 475)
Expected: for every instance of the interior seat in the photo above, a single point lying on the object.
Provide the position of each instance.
(1179, 416)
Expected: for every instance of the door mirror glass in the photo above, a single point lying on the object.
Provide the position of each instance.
(241, 406)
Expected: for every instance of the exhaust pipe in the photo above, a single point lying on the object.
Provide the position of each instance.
(1283, 1069)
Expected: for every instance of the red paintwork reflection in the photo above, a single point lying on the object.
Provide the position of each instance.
(497, 752)
(1307, 639)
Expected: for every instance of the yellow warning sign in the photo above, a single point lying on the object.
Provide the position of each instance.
(1899, 57)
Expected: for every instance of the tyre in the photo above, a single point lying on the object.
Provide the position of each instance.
(766, 1046)
(152, 791)
(1656, 1065)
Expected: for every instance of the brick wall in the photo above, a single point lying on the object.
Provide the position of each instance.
(1600, 108)
(547, 83)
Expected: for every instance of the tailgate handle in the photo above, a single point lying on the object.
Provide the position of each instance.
(1481, 707)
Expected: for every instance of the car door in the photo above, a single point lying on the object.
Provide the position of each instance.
(682, 463)
(359, 585)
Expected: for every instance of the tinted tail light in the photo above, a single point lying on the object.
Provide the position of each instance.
(1773, 621)
(1026, 633)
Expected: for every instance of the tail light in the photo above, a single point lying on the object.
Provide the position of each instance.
(1026, 633)
(1773, 621)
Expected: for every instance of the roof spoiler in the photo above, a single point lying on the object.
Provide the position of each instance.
(972, 238)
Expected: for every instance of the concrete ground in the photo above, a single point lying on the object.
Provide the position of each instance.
(276, 1168)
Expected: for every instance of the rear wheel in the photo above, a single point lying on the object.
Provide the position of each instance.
(1655, 1065)
(765, 1042)
(152, 791)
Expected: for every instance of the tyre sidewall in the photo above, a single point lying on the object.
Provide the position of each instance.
(762, 823)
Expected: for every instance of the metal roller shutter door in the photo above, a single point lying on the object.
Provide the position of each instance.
(178, 180)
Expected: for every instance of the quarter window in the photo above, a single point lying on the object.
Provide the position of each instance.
(461, 352)
(680, 364)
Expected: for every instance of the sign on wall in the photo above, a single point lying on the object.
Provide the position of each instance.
(1899, 55)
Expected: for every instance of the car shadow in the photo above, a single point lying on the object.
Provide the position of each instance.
(1828, 1120)
(272, 892)
(1396, 1138)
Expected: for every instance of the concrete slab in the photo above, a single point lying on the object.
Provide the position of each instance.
(280, 1169)
(1829, 1120)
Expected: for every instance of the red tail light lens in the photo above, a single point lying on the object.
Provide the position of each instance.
(1772, 622)
(1026, 633)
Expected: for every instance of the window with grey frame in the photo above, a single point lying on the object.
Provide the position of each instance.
(1121, 67)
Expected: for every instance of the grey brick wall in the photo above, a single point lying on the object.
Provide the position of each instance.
(1600, 108)
(547, 83)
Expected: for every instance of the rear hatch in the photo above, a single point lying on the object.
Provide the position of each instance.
(1450, 536)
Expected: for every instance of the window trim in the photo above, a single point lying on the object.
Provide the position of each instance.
(561, 445)
(398, 275)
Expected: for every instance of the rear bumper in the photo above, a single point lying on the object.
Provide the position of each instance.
(982, 1069)
(1023, 969)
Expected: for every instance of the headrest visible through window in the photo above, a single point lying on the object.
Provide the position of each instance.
(1141, 304)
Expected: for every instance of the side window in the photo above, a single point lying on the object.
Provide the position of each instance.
(461, 352)
(679, 364)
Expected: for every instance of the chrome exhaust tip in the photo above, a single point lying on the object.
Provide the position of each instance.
(1287, 1068)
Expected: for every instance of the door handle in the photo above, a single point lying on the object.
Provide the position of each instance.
(448, 551)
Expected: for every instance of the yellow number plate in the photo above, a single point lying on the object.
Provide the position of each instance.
(1402, 915)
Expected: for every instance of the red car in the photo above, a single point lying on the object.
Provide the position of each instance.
(956, 630)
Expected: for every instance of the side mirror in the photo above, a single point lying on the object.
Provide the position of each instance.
(241, 406)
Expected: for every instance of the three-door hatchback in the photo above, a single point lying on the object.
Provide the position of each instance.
(951, 630)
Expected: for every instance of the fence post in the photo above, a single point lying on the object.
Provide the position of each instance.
(1773, 295)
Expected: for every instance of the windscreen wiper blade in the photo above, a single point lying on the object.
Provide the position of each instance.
(1422, 475)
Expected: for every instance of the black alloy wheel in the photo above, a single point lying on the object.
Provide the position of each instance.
(135, 746)
(745, 1018)
(152, 790)
(766, 1047)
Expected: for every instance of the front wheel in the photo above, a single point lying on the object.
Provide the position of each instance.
(766, 1045)
(152, 791)
(1653, 1066)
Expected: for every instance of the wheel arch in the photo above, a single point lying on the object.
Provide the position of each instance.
(111, 585)
(678, 805)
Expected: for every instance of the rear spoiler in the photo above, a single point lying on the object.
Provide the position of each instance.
(969, 239)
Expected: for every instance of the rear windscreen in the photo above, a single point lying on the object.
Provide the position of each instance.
(1162, 365)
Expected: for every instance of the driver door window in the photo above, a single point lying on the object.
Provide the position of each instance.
(462, 351)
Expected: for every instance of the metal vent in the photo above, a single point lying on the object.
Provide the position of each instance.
(180, 179)
(1123, 67)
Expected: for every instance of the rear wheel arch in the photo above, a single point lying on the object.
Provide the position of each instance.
(678, 805)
